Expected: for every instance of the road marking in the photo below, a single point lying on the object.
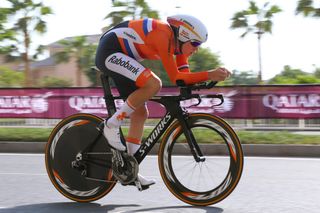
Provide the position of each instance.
(1, 207)
(20, 154)
(16, 173)
(283, 158)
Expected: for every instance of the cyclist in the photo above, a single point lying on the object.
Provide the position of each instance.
(119, 54)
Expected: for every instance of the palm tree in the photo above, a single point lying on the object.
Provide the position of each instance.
(307, 9)
(133, 9)
(262, 24)
(5, 34)
(82, 51)
(27, 18)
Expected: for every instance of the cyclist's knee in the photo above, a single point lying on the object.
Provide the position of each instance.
(154, 83)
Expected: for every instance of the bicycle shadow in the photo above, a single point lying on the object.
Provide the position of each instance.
(64, 207)
(208, 209)
(96, 207)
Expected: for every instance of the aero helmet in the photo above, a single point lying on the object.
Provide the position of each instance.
(188, 28)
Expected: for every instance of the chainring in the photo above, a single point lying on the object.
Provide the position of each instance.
(125, 167)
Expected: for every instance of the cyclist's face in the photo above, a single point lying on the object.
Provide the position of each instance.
(188, 49)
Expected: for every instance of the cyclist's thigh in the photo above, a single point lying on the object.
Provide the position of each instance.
(127, 73)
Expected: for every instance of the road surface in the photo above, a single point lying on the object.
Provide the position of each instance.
(279, 185)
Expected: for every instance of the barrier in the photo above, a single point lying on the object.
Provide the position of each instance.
(249, 102)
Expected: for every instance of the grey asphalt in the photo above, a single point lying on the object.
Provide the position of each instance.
(268, 185)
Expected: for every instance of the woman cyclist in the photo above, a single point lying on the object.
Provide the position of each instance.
(119, 54)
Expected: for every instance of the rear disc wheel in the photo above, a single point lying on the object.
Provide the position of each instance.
(79, 180)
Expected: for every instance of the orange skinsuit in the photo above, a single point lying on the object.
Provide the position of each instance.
(158, 43)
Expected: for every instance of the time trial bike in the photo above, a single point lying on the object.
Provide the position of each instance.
(200, 156)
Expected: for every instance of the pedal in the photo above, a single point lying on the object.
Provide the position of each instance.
(141, 187)
(138, 185)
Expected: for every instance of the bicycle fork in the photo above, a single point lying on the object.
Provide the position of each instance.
(194, 147)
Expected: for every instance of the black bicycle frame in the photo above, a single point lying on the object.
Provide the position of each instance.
(174, 111)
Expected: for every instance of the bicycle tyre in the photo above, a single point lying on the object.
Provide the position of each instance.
(68, 138)
(228, 157)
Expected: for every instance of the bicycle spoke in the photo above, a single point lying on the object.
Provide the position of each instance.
(210, 170)
(192, 174)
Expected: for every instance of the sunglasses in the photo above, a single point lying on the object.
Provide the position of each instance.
(195, 43)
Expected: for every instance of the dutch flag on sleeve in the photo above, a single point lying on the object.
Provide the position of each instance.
(148, 25)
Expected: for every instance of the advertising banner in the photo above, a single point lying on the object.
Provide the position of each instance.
(248, 102)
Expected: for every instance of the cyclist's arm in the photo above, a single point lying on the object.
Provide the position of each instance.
(182, 63)
(218, 74)
(174, 74)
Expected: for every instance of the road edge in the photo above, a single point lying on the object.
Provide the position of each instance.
(265, 150)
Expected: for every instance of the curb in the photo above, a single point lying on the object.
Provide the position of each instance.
(263, 150)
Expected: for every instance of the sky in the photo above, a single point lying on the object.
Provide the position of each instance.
(295, 40)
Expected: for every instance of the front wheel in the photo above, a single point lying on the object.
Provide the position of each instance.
(216, 175)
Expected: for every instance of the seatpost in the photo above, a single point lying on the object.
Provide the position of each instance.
(108, 97)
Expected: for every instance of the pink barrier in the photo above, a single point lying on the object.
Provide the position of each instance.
(301, 101)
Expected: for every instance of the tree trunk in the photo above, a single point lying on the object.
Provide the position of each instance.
(260, 60)
(28, 79)
(78, 78)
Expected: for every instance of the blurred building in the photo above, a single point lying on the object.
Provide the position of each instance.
(48, 67)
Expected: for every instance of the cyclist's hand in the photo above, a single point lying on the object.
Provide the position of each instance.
(219, 74)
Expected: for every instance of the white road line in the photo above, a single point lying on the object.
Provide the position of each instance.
(283, 158)
(26, 174)
(20, 154)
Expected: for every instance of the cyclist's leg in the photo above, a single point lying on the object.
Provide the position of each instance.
(146, 85)
(132, 79)
(141, 84)
(137, 120)
(145, 90)
(134, 137)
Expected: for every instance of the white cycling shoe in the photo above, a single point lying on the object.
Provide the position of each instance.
(142, 183)
(145, 182)
(113, 137)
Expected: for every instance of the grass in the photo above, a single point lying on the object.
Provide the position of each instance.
(278, 137)
(246, 137)
(24, 134)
